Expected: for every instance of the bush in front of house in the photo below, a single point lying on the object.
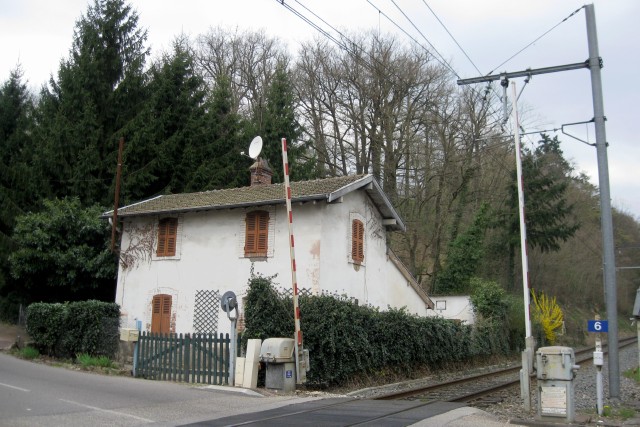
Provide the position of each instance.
(67, 329)
(345, 339)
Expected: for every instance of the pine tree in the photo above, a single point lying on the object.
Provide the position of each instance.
(546, 177)
(97, 92)
(15, 146)
(463, 257)
(220, 163)
(160, 140)
(276, 120)
(19, 182)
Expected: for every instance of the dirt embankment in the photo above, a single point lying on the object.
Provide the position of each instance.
(9, 335)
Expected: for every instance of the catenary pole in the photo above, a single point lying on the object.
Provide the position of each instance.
(608, 255)
(594, 63)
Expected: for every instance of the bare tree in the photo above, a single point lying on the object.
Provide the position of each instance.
(248, 59)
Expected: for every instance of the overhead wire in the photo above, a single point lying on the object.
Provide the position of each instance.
(341, 44)
(452, 37)
(513, 56)
(489, 88)
(442, 61)
(314, 25)
(534, 41)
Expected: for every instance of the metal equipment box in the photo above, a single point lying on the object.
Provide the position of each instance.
(555, 369)
(555, 363)
(281, 377)
(278, 354)
(129, 334)
(277, 350)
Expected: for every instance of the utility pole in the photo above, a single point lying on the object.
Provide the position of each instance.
(114, 220)
(608, 255)
(594, 63)
(527, 355)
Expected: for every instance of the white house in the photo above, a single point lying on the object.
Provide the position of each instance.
(179, 253)
(454, 307)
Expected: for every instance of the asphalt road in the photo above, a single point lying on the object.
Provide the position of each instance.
(33, 394)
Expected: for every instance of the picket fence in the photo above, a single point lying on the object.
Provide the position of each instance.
(194, 358)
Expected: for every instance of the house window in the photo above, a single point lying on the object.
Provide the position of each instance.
(357, 241)
(256, 242)
(167, 237)
(161, 314)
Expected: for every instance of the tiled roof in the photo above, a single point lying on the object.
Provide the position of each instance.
(245, 196)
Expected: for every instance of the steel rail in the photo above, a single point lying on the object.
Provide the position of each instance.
(417, 391)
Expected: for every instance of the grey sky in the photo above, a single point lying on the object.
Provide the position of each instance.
(38, 34)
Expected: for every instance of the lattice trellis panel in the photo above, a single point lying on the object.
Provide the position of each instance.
(288, 293)
(205, 311)
(305, 292)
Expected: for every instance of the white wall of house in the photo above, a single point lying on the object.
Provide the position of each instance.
(453, 307)
(210, 255)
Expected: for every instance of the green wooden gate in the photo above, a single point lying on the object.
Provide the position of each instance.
(195, 358)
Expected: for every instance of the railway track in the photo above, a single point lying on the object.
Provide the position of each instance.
(409, 406)
(471, 388)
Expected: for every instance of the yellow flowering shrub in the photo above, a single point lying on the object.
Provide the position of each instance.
(549, 314)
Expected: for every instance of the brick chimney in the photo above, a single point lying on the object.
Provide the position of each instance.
(260, 172)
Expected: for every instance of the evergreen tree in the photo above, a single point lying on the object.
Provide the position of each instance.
(463, 257)
(160, 140)
(15, 123)
(220, 163)
(546, 177)
(99, 88)
(275, 120)
(19, 183)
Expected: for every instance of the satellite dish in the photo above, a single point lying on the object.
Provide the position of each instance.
(255, 147)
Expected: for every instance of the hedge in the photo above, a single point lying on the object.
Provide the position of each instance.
(64, 330)
(345, 339)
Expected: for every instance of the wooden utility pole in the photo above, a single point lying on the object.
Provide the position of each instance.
(114, 220)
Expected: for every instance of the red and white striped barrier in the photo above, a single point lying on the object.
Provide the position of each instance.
(300, 365)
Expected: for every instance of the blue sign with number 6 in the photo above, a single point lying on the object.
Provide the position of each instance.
(598, 326)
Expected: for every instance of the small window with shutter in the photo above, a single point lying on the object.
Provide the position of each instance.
(357, 241)
(256, 243)
(167, 237)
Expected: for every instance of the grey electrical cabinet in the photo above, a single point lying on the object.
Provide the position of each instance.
(555, 370)
(278, 355)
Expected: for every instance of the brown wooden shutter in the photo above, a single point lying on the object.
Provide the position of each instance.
(167, 237)
(357, 241)
(256, 241)
(263, 233)
(161, 313)
(250, 234)
(172, 236)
